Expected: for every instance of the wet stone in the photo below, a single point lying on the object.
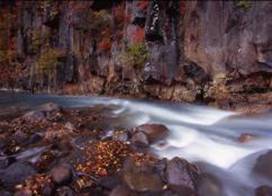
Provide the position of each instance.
(140, 139)
(6, 161)
(246, 137)
(122, 190)
(120, 136)
(109, 182)
(61, 174)
(209, 185)
(181, 173)
(65, 191)
(34, 138)
(154, 132)
(180, 190)
(20, 137)
(263, 166)
(263, 191)
(142, 178)
(34, 116)
(16, 173)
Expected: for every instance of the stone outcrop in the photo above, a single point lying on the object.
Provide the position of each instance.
(191, 51)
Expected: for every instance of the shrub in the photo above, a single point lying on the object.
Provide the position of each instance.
(49, 60)
(39, 39)
(99, 20)
(243, 4)
(135, 55)
(6, 56)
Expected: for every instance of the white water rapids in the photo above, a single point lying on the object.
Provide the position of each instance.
(197, 133)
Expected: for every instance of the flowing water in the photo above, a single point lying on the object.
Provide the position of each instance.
(199, 134)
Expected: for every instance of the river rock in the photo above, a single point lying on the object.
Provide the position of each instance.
(5, 193)
(246, 137)
(122, 190)
(263, 191)
(49, 107)
(140, 139)
(16, 173)
(6, 161)
(142, 178)
(34, 138)
(20, 137)
(65, 191)
(120, 136)
(61, 174)
(109, 182)
(209, 185)
(181, 173)
(154, 132)
(34, 116)
(263, 165)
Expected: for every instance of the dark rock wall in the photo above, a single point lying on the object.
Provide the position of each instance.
(224, 36)
(211, 51)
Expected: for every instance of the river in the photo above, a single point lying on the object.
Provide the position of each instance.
(200, 134)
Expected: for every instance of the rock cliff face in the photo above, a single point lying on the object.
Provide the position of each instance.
(208, 51)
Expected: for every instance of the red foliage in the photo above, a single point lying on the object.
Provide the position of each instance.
(119, 14)
(138, 35)
(9, 74)
(182, 7)
(128, 18)
(143, 4)
(11, 43)
(105, 44)
(119, 34)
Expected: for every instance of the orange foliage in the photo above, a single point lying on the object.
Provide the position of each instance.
(105, 44)
(138, 35)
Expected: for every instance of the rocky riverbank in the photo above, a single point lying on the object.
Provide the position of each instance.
(57, 151)
(54, 151)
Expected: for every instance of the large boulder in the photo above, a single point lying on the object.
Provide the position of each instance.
(209, 185)
(154, 132)
(16, 173)
(142, 178)
(263, 191)
(181, 173)
(263, 165)
(140, 139)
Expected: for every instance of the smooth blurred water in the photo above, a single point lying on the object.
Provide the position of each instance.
(197, 133)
